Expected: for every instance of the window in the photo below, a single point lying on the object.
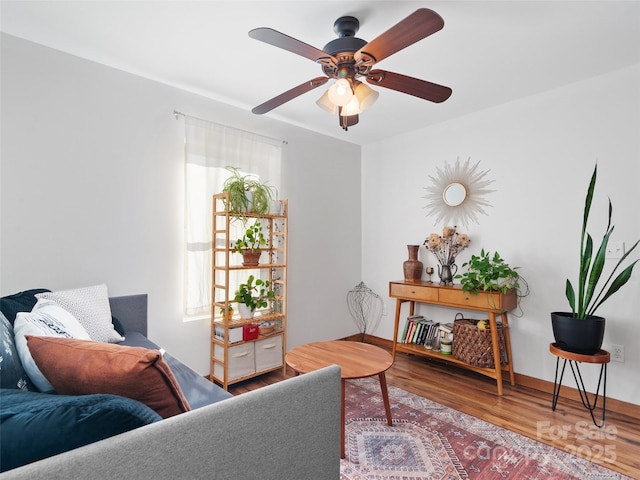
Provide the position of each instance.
(209, 148)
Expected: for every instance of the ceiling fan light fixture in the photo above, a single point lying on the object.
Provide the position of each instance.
(327, 105)
(348, 58)
(340, 92)
(351, 108)
(347, 121)
(366, 96)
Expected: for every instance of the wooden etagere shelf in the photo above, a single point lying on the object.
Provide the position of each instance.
(232, 358)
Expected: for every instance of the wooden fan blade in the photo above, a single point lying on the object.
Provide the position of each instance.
(280, 40)
(420, 24)
(409, 85)
(289, 95)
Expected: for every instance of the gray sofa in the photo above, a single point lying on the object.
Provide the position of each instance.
(289, 430)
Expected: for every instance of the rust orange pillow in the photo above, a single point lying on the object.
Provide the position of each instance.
(82, 367)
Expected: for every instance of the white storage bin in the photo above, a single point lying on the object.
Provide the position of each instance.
(241, 361)
(268, 353)
(235, 335)
(218, 352)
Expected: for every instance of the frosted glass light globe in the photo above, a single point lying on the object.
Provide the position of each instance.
(340, 93)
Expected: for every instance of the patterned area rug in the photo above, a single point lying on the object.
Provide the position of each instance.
(434, 442)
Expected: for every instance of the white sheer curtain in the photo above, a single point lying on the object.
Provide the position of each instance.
(209, 148)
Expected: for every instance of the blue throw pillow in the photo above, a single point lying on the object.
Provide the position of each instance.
(36, 425)
(19, 302)
(12, 374)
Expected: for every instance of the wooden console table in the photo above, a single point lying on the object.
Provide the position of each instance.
(492, 303)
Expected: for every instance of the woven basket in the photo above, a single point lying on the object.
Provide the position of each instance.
(474, 346)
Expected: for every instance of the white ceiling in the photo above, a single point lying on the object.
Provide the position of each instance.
(489, 52)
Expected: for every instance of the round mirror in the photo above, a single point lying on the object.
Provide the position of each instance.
(454, 194)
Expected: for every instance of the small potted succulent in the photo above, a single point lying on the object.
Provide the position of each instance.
(254, 294)
(226, 312)
(249, 245)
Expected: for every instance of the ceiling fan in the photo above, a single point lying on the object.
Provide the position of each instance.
(347, 59)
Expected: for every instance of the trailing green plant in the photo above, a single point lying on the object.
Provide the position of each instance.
(237, 187)
(241, 187)
(252, 239)
(262, 196)
(254, 293)
(490, 272)
(591, 267)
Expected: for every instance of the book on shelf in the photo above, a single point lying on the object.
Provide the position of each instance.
(417, 330)
(407, 326)
(447, 327)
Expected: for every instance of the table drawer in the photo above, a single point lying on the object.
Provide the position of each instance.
(421, 293)
(268, 353)
(483, 300)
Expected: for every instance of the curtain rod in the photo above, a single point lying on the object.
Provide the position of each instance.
(177, 114)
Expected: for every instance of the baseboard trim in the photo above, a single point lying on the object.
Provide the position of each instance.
(566, 392)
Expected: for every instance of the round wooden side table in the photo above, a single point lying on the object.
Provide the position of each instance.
(356, 360)
(601, 357)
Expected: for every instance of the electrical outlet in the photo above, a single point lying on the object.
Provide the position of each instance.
(615, 250)
(617, 353)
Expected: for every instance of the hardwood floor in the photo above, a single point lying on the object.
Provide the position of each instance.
(521, 409)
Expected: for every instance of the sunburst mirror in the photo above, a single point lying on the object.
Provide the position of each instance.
(456, 194)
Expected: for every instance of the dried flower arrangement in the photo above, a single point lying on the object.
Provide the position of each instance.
(446, 247)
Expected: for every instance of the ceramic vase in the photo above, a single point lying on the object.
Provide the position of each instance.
(412, 267)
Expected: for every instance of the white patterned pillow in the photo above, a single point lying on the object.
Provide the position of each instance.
(47, 319)
(90, 305)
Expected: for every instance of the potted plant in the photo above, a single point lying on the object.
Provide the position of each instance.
(239, 195)
(252, 295)
(581, 331)
(226, 312)
(487, 272)
(249, 245)
(262, 195)
(247, 194)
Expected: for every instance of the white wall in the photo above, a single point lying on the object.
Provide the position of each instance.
(541, 152)
(91, 192)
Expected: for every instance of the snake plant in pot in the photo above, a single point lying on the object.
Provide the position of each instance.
(581, 331)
